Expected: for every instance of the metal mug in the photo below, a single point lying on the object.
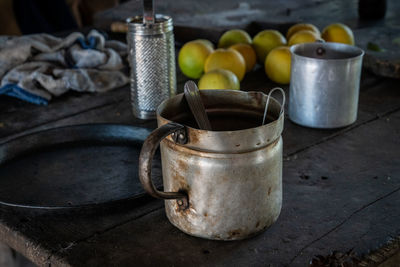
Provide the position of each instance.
(152, 61)
(220, 184)
(324, 84)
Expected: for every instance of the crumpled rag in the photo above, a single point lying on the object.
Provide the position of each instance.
(37, 67)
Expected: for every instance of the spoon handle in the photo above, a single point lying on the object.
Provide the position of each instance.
(192, 95)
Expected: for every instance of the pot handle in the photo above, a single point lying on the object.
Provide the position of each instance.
(267, 103)
(146, 158)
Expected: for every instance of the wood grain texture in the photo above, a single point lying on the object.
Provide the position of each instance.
(338, 212)
(341, 186)
(50, 237)
(387, 61)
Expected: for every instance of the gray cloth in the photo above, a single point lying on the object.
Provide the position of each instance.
(47, 66)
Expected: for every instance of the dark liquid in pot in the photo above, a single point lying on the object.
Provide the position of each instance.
(225, 121)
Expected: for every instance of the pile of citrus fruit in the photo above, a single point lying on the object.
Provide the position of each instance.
(238, 53)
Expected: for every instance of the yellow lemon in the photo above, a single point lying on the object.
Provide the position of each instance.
(219, 79)
(303, 37)
(301, 27)
(277, 65)
(247, 53)
(192, 57)
(206, 42)
(227, 59)
(338, 33)
(265, 41)
(232, 37)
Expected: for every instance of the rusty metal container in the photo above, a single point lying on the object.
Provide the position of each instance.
(224, 184)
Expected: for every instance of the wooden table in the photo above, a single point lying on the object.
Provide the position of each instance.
(341, 191)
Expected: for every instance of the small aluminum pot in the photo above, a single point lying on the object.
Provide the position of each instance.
(324, 84)
(225, 184)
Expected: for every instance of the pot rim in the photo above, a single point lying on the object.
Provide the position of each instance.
(359, 53)
(276, 102)
(232, 141)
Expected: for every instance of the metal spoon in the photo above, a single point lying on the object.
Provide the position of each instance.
(192, 95)
(148, 12)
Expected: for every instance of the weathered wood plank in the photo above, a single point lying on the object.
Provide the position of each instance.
(351, 181)
(235, 13)
(386, 60)
(17, 116)
(310, 223)
(38, 235)
(116, 113)
(120, 113)
(83, 227)
(377, 97)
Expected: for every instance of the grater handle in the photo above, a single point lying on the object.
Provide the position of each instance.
(148, 12)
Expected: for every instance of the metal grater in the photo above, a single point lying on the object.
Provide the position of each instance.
(152, 61)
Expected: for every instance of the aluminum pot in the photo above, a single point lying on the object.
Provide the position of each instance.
(324, 84)
(224, 184)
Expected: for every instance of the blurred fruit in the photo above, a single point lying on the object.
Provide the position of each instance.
(247, 53)
(219, 79)
(301, 27)
(232, 37)
(277, 65)
(227, 59)
(304, 36)
(192, 57)
(206, 42)
(265, 41)
(338, 33)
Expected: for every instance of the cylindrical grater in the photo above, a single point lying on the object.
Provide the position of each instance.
(152, 61)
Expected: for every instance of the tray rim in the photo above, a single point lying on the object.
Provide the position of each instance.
(143, 133)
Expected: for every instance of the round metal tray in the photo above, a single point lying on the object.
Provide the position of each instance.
(73, 167)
